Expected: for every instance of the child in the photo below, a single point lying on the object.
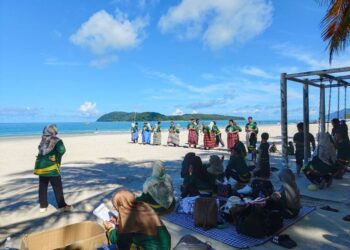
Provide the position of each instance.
(273, 148)
(290, 148)
(264, 158)
(252, 146)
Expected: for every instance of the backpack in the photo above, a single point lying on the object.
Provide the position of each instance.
(205, 212)
(189, 242)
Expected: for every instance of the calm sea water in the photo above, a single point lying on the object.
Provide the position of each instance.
(32, 129)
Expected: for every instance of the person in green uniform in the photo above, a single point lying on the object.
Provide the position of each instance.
(192, 134)
(158, 191)
(134, 132)
(137, 225)
(157, 134)
(320, 169)
(174, 135)
(47, 167)
(237, 168)
(250, 127)
(232, 130)
(217, 132)
(298, 139)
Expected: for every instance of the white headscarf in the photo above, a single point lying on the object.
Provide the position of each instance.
(325, 149)
(160, 186)
(49, 139)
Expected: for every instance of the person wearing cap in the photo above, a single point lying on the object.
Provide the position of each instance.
(250, 127)
(192, 134)
(158, 191)
(48, 167)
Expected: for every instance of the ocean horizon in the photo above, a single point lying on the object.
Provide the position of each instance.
(76, 128)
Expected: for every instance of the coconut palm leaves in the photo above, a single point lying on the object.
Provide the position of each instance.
(336, 25)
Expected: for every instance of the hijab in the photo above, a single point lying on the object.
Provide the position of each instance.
(134, 216)
(186, 164)
(325, 149)
(160, 186)
(290, 188)
(49, 139)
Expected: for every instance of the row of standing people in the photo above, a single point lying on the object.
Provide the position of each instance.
(211, 133)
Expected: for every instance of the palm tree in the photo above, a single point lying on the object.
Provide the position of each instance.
(336, 25)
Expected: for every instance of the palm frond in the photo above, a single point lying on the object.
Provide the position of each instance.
(336, 26)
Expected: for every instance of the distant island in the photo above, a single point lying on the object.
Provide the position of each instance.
(154, 116)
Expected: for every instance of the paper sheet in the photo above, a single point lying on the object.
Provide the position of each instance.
(104, 213)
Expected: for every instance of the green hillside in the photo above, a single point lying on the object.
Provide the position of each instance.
(154, 116)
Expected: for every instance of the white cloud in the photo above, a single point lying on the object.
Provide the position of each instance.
(178, 112)
(103, 32)
(88, 109)
(55, 62)
(313, 61)
(218, 23)
(103, 61)
(254, 71)
(19, 111)
(194, 112)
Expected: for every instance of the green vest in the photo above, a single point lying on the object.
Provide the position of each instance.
(49, 164)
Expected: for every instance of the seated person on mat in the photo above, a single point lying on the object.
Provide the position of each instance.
(215, 171)
(137, 225)
(237, 168)
(261, 185)
(199, 182)
(185, 175)
(288, 197)
(320, 169)
(158, 190)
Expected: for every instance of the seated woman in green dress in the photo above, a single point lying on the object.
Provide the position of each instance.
(158, 191)
(237, 168)
(320, 169)
(137, 225)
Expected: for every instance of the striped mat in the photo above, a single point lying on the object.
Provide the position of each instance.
(229, 235)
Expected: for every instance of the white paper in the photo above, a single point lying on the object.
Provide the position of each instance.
(104, 213)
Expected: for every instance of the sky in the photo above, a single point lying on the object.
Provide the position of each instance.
(76, 60)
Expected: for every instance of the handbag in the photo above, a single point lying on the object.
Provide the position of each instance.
(205, 213)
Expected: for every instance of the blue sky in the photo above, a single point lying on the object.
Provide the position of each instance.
(75, 60)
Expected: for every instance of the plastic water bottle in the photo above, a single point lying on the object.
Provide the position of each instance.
(8, 243)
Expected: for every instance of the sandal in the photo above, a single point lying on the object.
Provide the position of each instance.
(328, 208)
(284, 240)
(347, 218)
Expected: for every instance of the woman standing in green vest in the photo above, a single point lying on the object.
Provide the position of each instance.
(47, 166)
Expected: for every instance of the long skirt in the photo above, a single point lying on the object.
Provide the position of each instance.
(135, 136)
(174, 139)
(231, 139)
(192, 137)
(146, 137)
(157, 138)
(209, 140)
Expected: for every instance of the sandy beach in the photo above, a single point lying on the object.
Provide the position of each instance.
(95, 165)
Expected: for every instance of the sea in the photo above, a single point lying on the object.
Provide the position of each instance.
(76, 128)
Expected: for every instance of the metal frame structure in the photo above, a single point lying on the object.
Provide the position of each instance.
(314, 79)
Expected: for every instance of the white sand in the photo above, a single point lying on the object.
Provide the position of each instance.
(93, 167)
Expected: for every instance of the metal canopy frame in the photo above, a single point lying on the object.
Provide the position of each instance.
(322, 79)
